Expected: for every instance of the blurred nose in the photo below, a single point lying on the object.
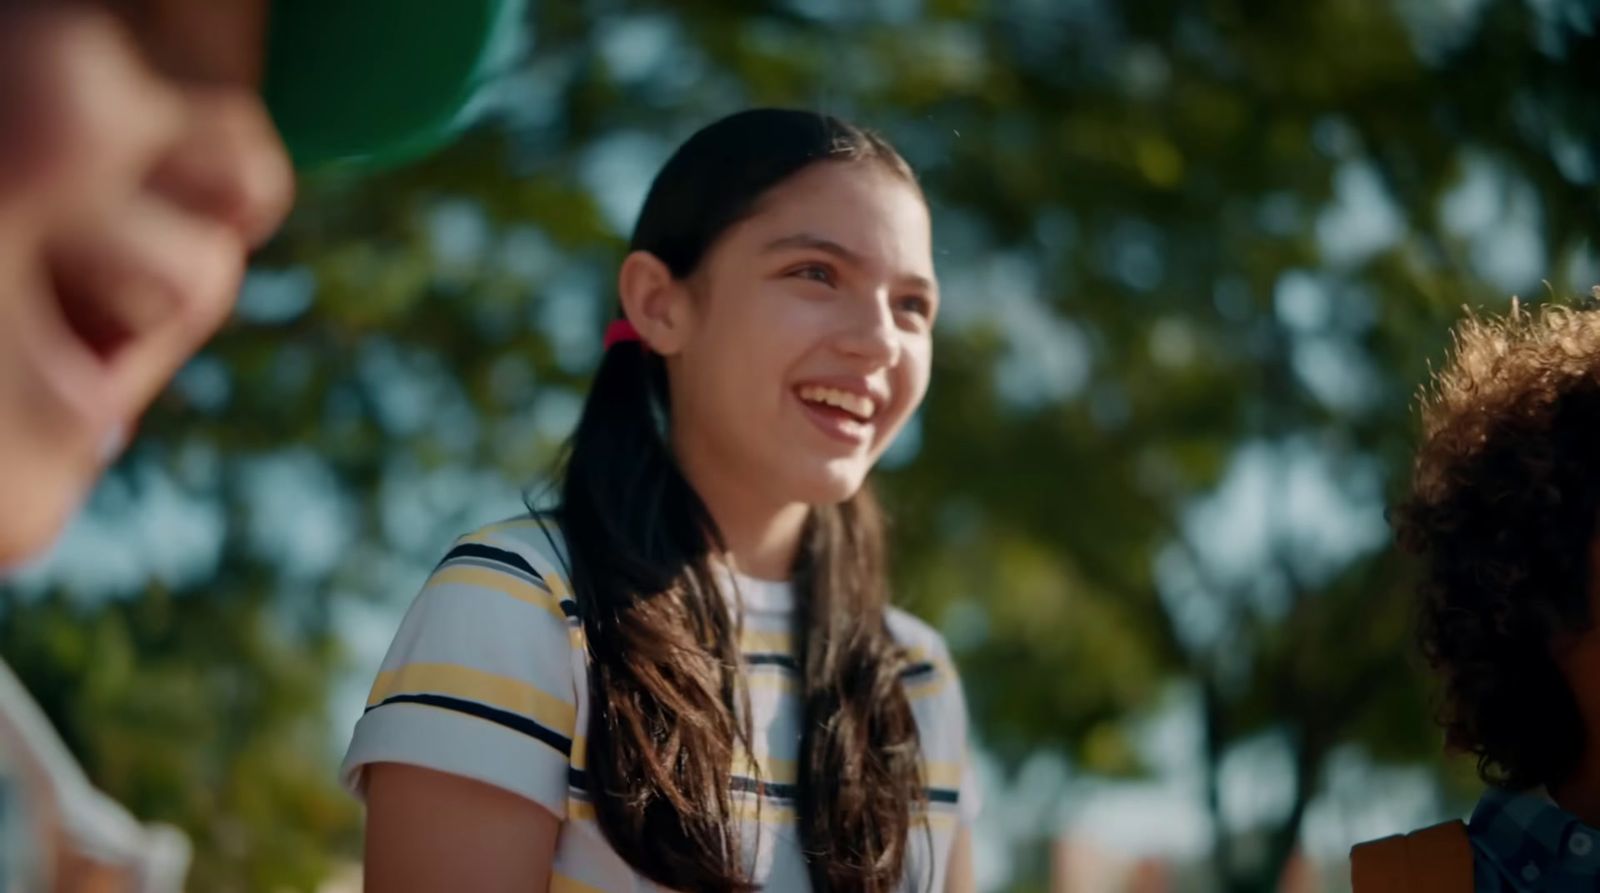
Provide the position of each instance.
(230, 164)
(870, 333)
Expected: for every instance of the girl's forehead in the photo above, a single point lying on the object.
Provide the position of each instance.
(842, 189)
(857, 205)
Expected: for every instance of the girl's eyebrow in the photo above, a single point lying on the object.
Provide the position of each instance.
(828, 246)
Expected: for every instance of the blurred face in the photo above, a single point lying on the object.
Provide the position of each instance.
(135, 175)
(811, 337)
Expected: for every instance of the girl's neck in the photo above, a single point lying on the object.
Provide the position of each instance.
(764, 547)
(761, 541)
(762, 537)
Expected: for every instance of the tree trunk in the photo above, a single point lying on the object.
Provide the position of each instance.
(1263, 875)
(1216, 742)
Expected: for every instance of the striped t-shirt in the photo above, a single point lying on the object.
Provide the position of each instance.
(487, 679)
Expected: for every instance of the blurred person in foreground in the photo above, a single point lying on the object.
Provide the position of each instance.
(134, 181)
(1503, 513)
(139, 167)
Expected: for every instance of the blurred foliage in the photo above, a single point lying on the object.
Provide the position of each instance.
(1182, 242)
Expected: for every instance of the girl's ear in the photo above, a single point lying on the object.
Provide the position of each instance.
(655, 302)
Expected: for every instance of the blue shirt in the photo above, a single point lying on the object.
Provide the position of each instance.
(1522, 842)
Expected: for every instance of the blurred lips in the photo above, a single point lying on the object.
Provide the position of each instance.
(72, 385)
(109, 301)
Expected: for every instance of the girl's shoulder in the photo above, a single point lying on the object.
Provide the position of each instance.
(531, 544)
(933, 686)
(482, 678)
(917, 636)
(521, 559)
(538, 531)
(931, 673)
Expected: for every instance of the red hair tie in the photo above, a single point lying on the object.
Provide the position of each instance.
(619, 332)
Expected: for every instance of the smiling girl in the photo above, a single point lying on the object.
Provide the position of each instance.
(687, 675)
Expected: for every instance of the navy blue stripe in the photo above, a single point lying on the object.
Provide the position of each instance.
(515, 721)
(490, 553)
(918, 669)
(777, 791)
(943, 795)
(509, 559)
(771, 789)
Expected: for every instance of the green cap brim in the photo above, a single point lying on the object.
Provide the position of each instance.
(370, 83)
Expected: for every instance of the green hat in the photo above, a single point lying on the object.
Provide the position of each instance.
(379, 82)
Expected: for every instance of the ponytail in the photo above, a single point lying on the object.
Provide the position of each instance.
(661, 643)
(667, 711)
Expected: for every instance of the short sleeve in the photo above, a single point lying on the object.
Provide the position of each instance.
(933, 688)
(479, 681)
(971, 802)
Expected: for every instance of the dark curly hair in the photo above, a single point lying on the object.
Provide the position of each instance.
(1503, 510)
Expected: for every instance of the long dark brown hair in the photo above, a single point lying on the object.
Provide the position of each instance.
(667, 713)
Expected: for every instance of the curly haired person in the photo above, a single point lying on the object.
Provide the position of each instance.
(1503, 515)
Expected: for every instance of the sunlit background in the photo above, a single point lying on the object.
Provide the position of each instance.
(1195, 256)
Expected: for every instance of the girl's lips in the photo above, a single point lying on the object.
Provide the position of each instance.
(837, 424)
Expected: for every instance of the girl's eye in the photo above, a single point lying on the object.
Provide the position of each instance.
(815, 273)
(916, 305)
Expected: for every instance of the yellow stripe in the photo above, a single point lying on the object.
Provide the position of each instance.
(770, 814)
(580, 752)
(547, 567)
(938, 775)
(779, 642)
(457, 681)
(743, 809)
(754, 642)
(928, 685)
(558, 585)
(499, 581)
(555, 581)
(943, 775)
(786, 683)
(519, 523)
(560, 883)
(927, 688)
(771, 771)
(940, 820)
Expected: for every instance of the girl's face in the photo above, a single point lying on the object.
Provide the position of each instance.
(810, 337)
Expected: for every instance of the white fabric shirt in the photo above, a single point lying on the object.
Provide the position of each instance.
(47, 801)
(487, 679)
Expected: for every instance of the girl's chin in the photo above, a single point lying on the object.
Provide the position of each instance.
(829, 484)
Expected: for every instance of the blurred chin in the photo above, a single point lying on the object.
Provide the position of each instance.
(28, 534)
(831, 483)
(41, 500)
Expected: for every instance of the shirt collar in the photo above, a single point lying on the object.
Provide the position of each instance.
(761, 596)
(1532, 841)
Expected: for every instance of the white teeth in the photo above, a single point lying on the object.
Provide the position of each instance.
(861, 407)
